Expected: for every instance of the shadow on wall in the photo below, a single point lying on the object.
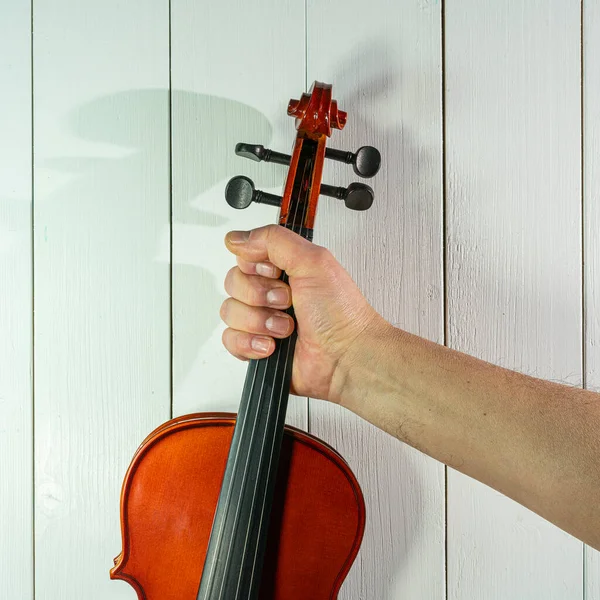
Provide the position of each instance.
(111, 197)
(392, 251)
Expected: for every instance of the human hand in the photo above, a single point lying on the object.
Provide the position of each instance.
(331, 312)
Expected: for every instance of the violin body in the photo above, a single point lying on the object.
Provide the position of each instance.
(170, 495)
(242, 507)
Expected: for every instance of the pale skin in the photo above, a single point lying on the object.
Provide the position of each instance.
(534, 441)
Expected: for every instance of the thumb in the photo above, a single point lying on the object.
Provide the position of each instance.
(278, 245)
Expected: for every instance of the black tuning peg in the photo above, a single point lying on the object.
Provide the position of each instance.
(356, 196)
(240, 193)
(257, 152)
(365, 161)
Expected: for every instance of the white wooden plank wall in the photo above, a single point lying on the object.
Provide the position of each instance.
(514, 258)
(16, 427)
(386, 68)
(102, 316)
(231, 84)
(124, 289)
(591, 232)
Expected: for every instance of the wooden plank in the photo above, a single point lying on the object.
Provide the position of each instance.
(230, 84)
(385, 66)
(514, 259)
(591, 232)
(16, 434)
(102, 309)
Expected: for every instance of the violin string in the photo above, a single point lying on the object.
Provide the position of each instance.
(254, 427)
(244, 474)
(229, 491)
(239, 448)
(281, 392)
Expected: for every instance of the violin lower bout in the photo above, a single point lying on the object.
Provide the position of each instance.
(169, 498)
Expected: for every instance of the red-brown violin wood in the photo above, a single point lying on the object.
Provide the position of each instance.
(169, 498)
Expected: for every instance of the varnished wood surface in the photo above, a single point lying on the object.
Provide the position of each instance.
(169, 498)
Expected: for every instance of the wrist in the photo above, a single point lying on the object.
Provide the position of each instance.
(358, 365)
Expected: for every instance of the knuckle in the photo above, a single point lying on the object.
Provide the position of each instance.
(249, 268)
(224, 311)
(226, 340)
(234, 342)
(270, 232)
(321, 256)
(256, 291)
(271, 229)
(240, 345)
(230, 279)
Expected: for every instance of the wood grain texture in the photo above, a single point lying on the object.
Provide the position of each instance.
(16, 469)
(235, 65)
(514, 259)
(384, 62)
(102, 318)
(591, 232)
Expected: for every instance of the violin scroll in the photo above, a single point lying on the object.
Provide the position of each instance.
(316, 113)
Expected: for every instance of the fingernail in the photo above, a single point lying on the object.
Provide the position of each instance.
(277, 297)
(238, 237)
(265, 269)
(260, 344)
(277, 324)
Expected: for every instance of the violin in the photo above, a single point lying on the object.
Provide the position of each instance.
(219, 507)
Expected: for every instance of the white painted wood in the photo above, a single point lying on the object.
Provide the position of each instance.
(235, 65)
(514, 259)
(102, 315)
(102, 250)
(385, 66)
(16, 468)
(591, 213)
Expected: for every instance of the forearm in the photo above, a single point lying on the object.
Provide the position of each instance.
(535, 441)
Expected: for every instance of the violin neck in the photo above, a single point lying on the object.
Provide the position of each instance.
(234, 559)
(233, 565)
